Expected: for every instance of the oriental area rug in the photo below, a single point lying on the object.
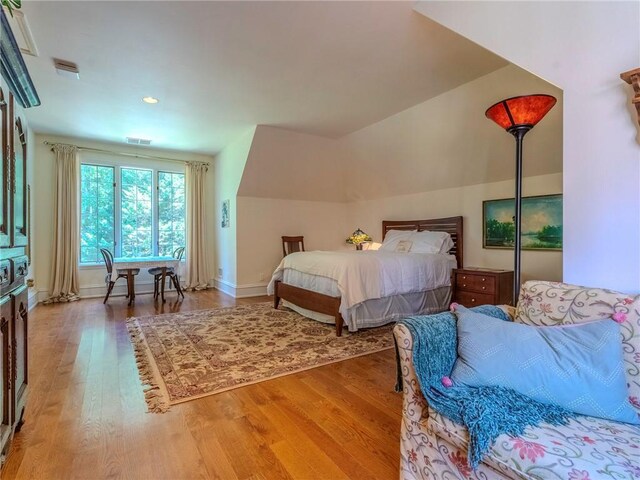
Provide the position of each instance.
(184, 356)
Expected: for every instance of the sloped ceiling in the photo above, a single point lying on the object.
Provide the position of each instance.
(441, 143)
(218, 68)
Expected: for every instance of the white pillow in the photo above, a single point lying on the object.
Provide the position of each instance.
(431, 242)
(393, 237)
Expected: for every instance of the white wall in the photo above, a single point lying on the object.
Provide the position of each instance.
(228, 166)
(287, 164)
(466, 201)
(261, 223)
(91, 278)
(448, 142)
(581, 47)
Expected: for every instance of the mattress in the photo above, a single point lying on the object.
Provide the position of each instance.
(374, 287)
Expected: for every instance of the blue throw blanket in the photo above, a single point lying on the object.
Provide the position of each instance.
(487, 412)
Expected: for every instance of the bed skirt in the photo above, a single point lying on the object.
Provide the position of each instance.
(380, 311)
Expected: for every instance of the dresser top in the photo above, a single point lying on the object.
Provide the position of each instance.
(482, 269)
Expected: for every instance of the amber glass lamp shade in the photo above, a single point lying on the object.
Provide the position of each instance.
(518, 111)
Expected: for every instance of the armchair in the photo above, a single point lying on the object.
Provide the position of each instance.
(588, 448)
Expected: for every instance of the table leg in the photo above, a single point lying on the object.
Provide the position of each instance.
(162, 281)
(130, 287)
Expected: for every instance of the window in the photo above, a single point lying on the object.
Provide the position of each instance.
(136, 212)
(96, 210)
(171, 214)
(141, 215)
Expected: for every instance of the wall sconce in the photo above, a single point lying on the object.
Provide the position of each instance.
(632, 77)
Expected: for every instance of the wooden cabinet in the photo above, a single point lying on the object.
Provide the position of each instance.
(17, 92)
(13, 363)
(14, 299)
(482, 286)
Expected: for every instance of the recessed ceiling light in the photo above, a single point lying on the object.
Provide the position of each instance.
(150, 100)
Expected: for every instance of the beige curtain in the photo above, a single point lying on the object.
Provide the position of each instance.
(197, 250)
(63, 284)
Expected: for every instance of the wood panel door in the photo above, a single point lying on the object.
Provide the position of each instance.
(5, 366)
(19, 180)
(5, 238)
(19, 348)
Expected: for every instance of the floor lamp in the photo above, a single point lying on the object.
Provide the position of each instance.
(518, 115)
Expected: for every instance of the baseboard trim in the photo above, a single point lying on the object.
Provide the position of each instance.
(100, 290)
(33, 299)
(241, 291)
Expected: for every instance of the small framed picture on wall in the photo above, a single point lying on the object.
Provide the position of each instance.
(225, 213)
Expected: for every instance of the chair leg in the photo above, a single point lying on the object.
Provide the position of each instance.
(155, 287)
(176, 283)
(109, 288)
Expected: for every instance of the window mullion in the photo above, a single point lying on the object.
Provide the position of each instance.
(118, 212)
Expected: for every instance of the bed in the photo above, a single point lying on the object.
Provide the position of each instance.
(305, 281)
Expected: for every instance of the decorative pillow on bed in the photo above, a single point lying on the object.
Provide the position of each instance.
(431, 242)
(578, 367)
(393, 237)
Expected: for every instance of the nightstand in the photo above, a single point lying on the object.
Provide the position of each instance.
(481, 286)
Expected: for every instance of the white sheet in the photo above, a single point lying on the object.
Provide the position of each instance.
(364, 275)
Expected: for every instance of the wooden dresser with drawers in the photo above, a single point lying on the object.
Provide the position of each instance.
(481, 286)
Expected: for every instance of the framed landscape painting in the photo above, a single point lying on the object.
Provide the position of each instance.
(541, 223)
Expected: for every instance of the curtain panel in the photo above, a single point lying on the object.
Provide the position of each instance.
(197, 252)
(63, 283)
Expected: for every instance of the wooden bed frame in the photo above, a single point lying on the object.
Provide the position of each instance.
(328, 305)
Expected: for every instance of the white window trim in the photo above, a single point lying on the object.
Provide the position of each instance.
(118, 164)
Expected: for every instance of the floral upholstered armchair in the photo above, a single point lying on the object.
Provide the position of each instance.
(588, 448)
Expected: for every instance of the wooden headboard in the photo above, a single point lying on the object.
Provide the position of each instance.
(451, 225)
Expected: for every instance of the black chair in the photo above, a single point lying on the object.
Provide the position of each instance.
(108, 279)
(170, 273)
(292, 245)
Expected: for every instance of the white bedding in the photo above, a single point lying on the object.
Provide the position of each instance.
(358, 276)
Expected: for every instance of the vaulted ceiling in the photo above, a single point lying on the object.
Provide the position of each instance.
(321, 68)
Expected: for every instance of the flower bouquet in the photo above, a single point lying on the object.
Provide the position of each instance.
(357, 238)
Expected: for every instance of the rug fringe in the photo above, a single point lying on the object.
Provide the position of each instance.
(153, 396)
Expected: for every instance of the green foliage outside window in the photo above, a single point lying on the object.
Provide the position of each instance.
(171, 212)
(96, 212)
(137, 214)
(138, 229)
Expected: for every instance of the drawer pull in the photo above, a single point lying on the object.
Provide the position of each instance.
(484, 279)
(464, 277)
(464, 284)
(484, 288)
(473, 300)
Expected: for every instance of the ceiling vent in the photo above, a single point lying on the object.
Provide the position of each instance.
(66, 68)
(138, 141)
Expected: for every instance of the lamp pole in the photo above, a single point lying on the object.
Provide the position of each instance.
(518, 131)
(518, 115)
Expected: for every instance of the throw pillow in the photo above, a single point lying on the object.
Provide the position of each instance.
(578, 367)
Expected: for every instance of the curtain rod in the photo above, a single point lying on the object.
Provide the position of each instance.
(124, 154)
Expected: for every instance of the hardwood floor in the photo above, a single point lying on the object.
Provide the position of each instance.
(86, 415)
